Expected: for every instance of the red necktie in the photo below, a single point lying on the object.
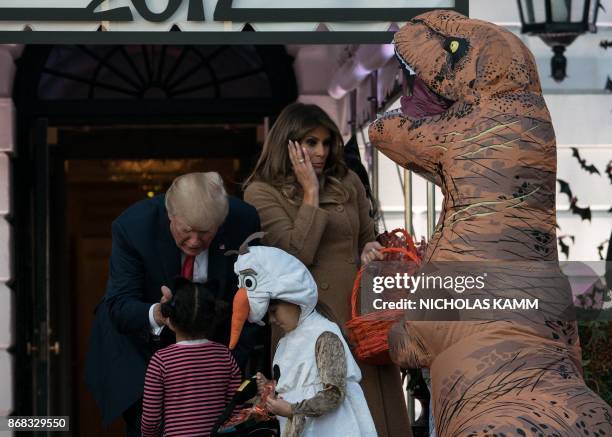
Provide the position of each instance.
(187, 270)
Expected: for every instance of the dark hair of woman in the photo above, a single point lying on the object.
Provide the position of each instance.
(274, 165)
(193, 308)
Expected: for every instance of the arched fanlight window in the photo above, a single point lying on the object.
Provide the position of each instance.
(120, 72)
(208, 79)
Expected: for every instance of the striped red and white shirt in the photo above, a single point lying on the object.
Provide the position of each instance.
(187, 386)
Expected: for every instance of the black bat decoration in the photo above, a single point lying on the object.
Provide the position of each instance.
(565, 188)
(564, 247)
(609, 170)
(608, 86)
(584, 213)
(600, 249)
(590, 168)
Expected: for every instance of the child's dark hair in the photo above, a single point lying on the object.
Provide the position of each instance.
(324, 310)
(193, 308)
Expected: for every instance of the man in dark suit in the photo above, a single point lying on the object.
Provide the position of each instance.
(184, 232)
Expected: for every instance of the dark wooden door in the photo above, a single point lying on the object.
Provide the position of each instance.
(90, 211)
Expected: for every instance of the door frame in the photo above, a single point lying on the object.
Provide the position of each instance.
(50, 386)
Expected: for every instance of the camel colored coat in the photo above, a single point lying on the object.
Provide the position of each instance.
(328, 240)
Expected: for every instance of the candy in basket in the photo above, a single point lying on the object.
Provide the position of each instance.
(254, 421)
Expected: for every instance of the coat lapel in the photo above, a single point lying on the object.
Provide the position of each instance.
(169, 253)
(327, 198)
(218, 262)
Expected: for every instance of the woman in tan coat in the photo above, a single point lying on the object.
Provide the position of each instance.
(316, 209)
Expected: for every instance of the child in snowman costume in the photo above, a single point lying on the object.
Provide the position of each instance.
(318, 379)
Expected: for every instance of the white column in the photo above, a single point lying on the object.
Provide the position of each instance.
(8, 53)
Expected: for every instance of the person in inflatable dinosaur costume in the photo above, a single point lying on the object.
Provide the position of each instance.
(476, 125)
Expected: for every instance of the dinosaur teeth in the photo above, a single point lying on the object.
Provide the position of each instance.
(409, 73)
(409, 70)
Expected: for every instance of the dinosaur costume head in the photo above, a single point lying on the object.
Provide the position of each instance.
(475, 123)
(462, 59)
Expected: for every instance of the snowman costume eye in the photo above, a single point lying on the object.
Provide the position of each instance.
(248, 281)
(266, 273)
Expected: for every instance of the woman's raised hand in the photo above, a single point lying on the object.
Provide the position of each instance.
(304, 171)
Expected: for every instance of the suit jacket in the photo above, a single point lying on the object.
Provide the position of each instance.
(144, 257)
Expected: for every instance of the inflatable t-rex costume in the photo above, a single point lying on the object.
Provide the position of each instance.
(476, 125)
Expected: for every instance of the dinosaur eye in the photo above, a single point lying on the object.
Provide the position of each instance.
(249, 282)
(456, 47)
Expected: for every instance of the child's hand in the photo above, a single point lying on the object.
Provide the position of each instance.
(261, 382)
(279, 406)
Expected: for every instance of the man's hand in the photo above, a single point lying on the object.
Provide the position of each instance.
(157, 315)
(279, 406)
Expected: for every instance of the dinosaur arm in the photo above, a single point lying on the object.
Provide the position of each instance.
(409, 143)
(407, 348)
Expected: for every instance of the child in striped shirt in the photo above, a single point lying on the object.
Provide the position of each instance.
(188, 384)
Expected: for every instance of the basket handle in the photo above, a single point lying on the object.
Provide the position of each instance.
(407, 236)
(356, 284)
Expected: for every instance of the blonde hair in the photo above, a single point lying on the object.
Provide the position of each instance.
(199, 199)
(274, 165)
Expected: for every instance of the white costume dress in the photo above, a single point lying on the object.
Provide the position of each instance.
(299, 380)
(267, 273)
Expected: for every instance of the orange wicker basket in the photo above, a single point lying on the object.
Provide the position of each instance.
(368, 333)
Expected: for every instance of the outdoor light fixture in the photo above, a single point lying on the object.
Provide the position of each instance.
(558, 23)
